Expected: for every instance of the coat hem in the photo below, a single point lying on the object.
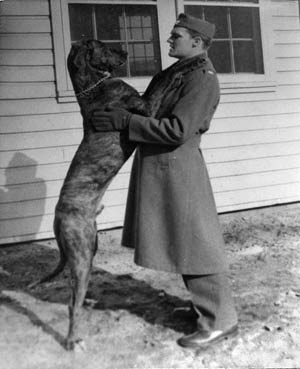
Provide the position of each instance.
(175, 270)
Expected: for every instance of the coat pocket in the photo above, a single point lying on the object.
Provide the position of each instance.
(163, 161)
(156, 156)
(168, 157)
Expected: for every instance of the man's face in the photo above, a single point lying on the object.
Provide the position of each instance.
(182, 45)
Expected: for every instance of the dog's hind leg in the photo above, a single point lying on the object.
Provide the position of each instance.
(80, 238)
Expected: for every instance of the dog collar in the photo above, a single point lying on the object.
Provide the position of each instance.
(106, 75)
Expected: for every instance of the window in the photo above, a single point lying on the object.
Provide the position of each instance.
(237, 46)
(241, 51)
(133, 28)
(140, 27)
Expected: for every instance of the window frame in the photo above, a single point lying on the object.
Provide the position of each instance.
(135, 38)
(230, 83)
(62, 40)
(247, 82)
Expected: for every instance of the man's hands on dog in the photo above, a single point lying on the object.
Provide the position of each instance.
(115, 119)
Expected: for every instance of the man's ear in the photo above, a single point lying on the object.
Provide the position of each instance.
(197, 41)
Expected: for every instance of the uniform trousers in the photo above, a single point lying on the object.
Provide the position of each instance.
(212, 300)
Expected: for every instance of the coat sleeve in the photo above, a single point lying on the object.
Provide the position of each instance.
(191, 114)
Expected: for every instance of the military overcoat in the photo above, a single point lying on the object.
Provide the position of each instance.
(171, 218)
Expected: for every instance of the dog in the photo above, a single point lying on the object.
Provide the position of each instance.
(100, 155)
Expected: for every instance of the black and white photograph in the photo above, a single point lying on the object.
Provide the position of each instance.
(149, 184)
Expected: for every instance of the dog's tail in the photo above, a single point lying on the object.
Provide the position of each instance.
(63, 258)
(59, 268)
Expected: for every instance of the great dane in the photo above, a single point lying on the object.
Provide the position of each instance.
(100, 155)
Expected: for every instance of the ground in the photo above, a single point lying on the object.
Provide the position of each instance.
(127, 321)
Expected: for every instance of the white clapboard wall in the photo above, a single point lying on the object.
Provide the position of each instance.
(252, 150)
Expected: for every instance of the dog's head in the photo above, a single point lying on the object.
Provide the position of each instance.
(88, 60)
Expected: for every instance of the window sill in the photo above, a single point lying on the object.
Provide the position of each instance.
(139, 83)
(227, 88)
(66, 96)
(247, 87)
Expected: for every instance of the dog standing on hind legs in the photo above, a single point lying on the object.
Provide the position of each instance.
(99, 157)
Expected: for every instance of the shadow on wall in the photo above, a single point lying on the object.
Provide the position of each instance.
(22, 199)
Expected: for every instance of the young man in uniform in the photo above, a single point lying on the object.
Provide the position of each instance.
(171, 218)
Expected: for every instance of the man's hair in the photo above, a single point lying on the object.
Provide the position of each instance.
(206, 41)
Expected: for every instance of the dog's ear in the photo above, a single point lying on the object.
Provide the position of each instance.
(78, 54)
(92, 46)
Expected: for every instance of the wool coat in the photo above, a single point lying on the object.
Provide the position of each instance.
(171, 218)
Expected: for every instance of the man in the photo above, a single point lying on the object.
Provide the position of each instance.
(171, 217)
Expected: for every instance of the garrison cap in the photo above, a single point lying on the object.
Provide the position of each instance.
(204, 28)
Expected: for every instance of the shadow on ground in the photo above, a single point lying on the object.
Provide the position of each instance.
(106, 291)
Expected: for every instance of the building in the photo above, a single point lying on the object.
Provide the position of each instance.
(252, 149)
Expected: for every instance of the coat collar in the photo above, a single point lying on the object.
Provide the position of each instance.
(187, 65)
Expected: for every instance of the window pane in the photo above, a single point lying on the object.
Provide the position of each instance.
(141, 60)
(240, 50)
(139, 21)
(241, 22)
(246, 24)
(135, 33)
(80, 22)
(243, 56)
(214, 14)
(218, 16)
(110, 22)
(130, 27)
(245, 59)
(194, 10)
(148, 34)
(219, 54)
(144, 56)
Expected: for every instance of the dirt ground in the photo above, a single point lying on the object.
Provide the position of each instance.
(127, 321)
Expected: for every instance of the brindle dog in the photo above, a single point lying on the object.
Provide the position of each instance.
(98, 159)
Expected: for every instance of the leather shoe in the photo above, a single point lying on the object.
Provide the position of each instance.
(202, 339)
(185, 313)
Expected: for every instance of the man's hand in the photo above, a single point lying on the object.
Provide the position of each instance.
(110, 120)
